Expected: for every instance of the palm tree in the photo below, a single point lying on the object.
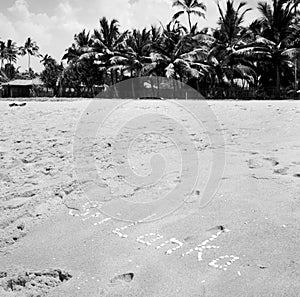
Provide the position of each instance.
(190, 7)
(3, 76)
(2, 53)
(179, 56)
(10, 52)
(228, 38)
(48, 61)
(277, 30)
(135, 54)
(81, 73)
(108, 35)
(81, 45)
(9, 55)
(230, 22)
(30, 48)
(155, 34)
(108, 42)
(52, 73)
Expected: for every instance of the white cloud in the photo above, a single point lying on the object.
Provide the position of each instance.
(20, 10)
(149, 12)
(114, 9)
(7, 29)
(52, 33)
(66, 17)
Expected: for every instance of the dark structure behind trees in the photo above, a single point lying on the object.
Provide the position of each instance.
(21, 88)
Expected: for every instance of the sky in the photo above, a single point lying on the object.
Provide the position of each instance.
(53, 23)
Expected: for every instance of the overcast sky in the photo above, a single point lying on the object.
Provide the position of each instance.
(53, 23)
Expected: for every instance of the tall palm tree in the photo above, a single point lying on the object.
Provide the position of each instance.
(30, 48)
(9, 55)
(3, 76)
(108, 42)
(81, 45)
(178, 55)
(277, 30)
(230, 22)
(190, 7)
(2, 53)
(108, 34)
(228, 38)
(135, 54)
(82, 68)
(11, 51)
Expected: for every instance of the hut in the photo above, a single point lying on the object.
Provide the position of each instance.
(20, 87)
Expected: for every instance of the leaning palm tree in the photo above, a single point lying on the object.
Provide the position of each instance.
(30, 48)
(190, 7)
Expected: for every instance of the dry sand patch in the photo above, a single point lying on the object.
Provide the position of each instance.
(258, 202)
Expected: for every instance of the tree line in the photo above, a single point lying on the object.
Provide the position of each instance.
(223, 62)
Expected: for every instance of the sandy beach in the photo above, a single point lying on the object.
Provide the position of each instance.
(55, 242)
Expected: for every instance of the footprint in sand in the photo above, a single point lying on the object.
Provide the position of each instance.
(36, 282)
(125, 277)
(273, 160)
(282, 171)
(252, 164)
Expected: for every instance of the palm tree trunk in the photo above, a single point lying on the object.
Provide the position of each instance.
(197, 83)
(231, 81)
(111, 77)
(152, 88)
(132, 89)
(116, 75)
(277, 81)
(190, 24)
(174, 88)
(122, 74)
(158, 86)
(28, 62)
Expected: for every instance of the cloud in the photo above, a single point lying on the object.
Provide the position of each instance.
(149, 12)
(7, 29)
(114, 9)
(53, 33)
(67, 17)
(19, 10)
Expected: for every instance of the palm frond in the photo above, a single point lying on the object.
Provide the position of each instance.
(178, 14)
(198, 13)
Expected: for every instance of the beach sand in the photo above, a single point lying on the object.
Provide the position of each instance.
(55, 242)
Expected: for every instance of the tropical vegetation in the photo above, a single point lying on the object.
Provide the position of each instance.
(232, 60)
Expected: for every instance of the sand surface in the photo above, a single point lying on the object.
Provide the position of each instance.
(55, 242)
